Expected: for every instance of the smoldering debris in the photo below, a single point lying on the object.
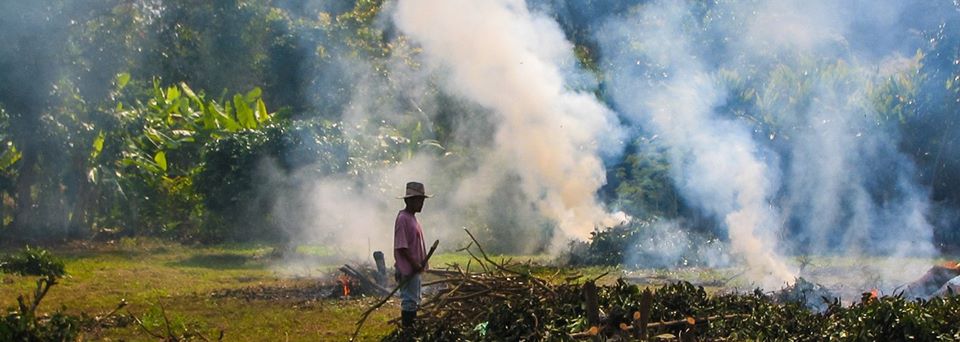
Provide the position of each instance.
(937, 281)
(814, 296)
(308, 292)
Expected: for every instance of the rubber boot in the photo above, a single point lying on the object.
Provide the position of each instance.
(407, 318)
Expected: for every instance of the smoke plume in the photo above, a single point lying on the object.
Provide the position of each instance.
(715, 161)
(828, 176)
(826, 180)
(503, 57)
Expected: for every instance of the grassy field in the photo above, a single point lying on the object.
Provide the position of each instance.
(160, 279)
(156, 277)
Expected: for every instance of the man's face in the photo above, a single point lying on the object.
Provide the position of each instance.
(415, 204)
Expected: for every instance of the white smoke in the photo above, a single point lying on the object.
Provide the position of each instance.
(535, 144)
(841, 158)
(503, 57)
(845, 188)
(714, 160)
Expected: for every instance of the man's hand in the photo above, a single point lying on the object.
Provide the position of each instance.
(405, 254)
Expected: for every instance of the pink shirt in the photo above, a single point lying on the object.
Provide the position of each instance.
(408, 234)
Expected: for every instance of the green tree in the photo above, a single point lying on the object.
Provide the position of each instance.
(162, 140)
(29, 65)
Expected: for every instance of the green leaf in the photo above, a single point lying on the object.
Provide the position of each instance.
(9, 157)
(122, 79)
(97, 146)
(209, 118)
(417, 132)
(173, 93)
(141, 162)
(253, 94)
(262, 114)
(189, 92)
(244, 113)
(157, 92)
(161, 159)
(222, 118)
(153, 135)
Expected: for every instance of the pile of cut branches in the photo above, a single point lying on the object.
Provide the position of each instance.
(498, 301)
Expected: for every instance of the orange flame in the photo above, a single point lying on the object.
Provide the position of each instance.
(874, 293)
(951, 265)
(345, 282)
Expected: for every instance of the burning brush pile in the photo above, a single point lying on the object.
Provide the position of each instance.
(350, 282)
(491, 301)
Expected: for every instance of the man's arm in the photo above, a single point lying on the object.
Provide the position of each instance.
(405, 254)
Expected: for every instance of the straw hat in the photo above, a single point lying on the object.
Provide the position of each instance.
(415, 189)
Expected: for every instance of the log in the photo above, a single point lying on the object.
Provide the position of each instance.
(381, 268)
(642, 317)
(592, 306)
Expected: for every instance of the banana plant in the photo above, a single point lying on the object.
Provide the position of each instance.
(175, 123)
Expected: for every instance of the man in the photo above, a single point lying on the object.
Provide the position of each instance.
(409, 252)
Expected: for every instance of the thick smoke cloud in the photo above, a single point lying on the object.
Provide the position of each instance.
(715, 161)
(548, 135)
(827, 180)
(840, 159)
(830, 178)
(849, 190)
(533, 164)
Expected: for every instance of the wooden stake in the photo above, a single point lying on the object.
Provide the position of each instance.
(642, 317)
(592, 308)
(381, 268)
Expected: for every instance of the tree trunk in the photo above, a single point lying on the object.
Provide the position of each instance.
(80, 197)
(26, 178)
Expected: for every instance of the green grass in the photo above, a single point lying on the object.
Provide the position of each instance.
(149, 274)
(316, 250)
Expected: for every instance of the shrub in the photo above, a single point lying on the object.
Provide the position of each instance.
(33, 261)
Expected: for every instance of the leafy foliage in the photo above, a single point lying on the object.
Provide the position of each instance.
(644, 243)
(160, 155)
(640, 184)
(33, 261)
(24, 326)
(749, 316)
(22, 323)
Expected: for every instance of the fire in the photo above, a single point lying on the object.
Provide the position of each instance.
(345, 282)
(951, 265)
